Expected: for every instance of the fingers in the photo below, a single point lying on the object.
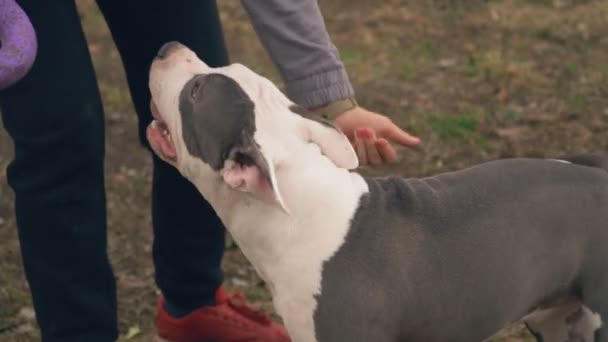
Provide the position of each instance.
(360, 146)
(374, 144)
(393, 133)
(386, 151)
(373, 156)
(372, 150)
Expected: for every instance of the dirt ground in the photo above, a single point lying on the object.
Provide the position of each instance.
(476, 80)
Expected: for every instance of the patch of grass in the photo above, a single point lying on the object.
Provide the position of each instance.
(602, 81)
(17, 298)
(425, 49)
(472, 69)
(454, 127)
(419, 58)
(493, 65)
(257, 294)
(452, 15)
(578, 103)
(603, 87)
(551, 35)
(415, 129)
(556, 34)
(504, 114)
(544, 33)
(116, 96)
(409, 69)
(350, 54)
(573, 69)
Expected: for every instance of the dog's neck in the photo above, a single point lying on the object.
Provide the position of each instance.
(321, 199)
(289, 250)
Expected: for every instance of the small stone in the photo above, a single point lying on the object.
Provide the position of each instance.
(113, 117)
(513, 133)
(447, 62)
(26, 328)
(239, 282)
(27, 313)
(562, 3)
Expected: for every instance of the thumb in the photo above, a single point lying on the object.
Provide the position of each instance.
(395, 134)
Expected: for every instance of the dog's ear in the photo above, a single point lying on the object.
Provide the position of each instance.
(250, 169)
(332, 142)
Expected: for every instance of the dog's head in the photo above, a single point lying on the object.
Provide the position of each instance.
(231, 125)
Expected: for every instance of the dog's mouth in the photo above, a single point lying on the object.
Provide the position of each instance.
(159, 136)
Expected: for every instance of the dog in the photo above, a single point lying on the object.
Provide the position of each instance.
(453, 257)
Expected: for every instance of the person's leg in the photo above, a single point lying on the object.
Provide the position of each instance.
(188, 236)
(55, 118)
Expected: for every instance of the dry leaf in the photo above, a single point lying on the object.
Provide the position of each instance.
(132, 332)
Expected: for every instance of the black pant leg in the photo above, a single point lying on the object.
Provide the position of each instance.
(189, 237)
(54, 116)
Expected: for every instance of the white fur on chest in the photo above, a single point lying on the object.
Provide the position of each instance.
(289, 251)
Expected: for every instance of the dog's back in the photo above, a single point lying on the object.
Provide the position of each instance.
(599, 160)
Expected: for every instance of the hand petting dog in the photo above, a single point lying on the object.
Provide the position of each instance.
(372, 134)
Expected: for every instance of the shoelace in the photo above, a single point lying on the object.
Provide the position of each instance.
(238, 303)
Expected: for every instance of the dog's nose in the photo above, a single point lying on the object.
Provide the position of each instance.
(167, 48)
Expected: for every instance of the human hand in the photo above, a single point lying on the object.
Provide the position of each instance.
(371, 135)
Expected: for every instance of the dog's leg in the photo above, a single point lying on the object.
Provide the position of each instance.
(594, 292)
(568, 322)
(548, 325)
(598, 303)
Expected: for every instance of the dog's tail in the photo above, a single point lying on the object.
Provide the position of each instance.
(599, 160)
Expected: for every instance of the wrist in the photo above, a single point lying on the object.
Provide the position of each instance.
(332, 110)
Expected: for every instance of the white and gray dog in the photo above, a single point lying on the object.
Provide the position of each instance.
(454, 257)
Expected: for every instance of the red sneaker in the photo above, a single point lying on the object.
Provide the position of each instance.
(230, 320)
